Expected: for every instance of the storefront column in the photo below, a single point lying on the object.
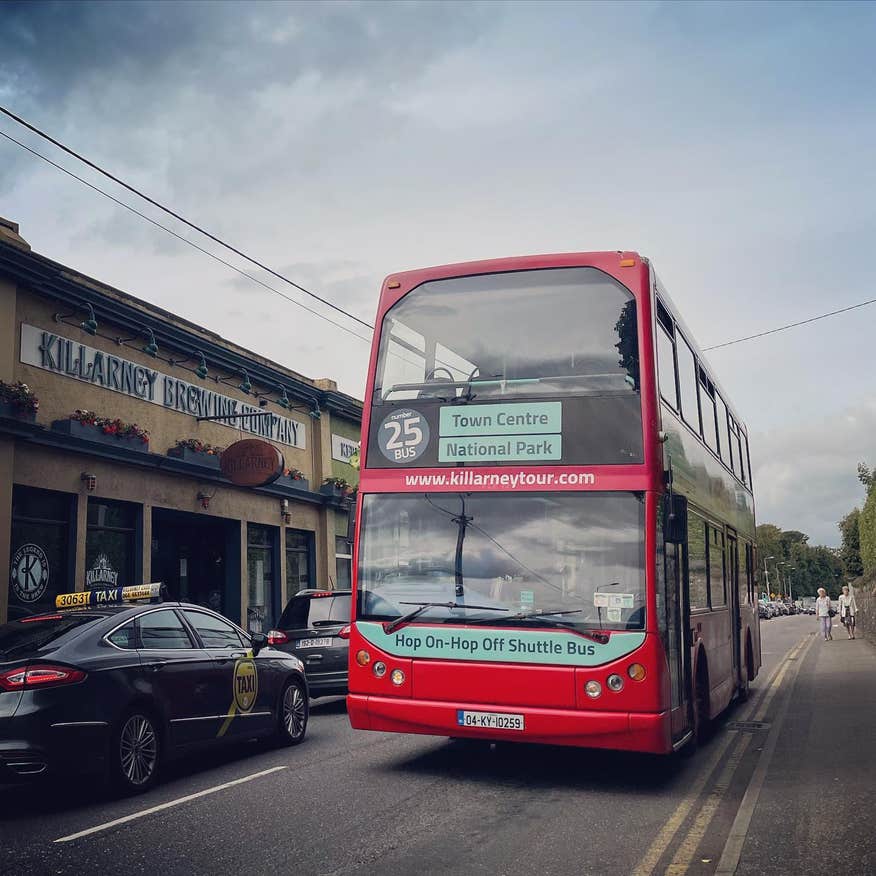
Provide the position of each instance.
(81, 535)
(7, 460)
(244, 574)
(281, 567)
(146, 529)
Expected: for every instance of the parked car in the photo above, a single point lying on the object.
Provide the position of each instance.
(104, 685)
(313, 627)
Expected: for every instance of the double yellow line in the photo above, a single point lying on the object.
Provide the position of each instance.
(688, 846)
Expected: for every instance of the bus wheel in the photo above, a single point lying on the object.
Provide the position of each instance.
(702, 725)
(744, 689)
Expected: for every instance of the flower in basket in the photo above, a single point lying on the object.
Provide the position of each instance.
(338, 484)
(108, 426)
(198, 446)
(294, 474)
(20, 396)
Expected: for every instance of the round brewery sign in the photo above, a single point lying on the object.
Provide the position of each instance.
(251, 463)
(29, 573)
(403, 436)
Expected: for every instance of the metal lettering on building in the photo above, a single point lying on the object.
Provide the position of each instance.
(60, 355)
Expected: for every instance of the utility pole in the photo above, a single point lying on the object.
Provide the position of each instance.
(766, 574)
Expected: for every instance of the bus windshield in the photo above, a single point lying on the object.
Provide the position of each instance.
(558, 348)
(565, 331)
(575, 553)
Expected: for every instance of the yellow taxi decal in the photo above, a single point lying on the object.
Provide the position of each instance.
(245, 689)
(246, 684)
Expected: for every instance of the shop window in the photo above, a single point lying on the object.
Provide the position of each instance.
(299, 558)
(260, 575)
(717, 581)
(110, 544)
(343, 563)
(696, 563)
(40, 550)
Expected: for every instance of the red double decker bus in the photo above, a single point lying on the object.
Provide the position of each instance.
(555, 537)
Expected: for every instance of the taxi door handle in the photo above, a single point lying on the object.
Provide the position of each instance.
(227, 658)
(156, 665)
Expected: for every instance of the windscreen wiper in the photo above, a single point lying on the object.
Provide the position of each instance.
(524, 615)
(392, 626)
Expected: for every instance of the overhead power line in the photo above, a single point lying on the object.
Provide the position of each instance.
(180, 218)
(173, 233)
(790, 325)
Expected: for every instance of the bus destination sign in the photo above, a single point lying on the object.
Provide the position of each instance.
(495, 433)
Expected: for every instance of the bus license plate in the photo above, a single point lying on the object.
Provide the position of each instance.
(315, 643)
(490, 720)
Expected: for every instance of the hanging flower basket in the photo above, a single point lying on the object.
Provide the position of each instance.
(88, 426)
(336, 487)
(196, 452)
(17, 401)
(296, 478)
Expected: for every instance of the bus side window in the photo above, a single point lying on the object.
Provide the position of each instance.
(696, 562)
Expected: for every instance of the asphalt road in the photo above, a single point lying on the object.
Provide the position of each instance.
(358, 802)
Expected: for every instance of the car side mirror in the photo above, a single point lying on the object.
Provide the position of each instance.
(675, 518)
(259, 641)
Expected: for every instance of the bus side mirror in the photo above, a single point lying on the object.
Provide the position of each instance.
(675, 518)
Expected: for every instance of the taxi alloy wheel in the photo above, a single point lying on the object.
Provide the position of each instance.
(293, 713)
(137, 758)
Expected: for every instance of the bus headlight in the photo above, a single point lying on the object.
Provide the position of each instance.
(397, 677)
(379, 669)
(636, 672)
(615, 683)
(593, 689)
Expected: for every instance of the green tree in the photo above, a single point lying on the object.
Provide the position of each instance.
(867, 519)
(850, 551)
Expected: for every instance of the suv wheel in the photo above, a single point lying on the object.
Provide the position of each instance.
(294, 711)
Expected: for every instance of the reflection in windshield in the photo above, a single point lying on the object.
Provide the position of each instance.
(566, 331)
(575, 553)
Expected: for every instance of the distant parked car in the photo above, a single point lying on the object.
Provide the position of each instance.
(311, 628)
(763, 611)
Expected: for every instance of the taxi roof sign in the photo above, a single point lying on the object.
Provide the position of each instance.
(90, 598)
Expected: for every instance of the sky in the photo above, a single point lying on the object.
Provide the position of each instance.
(731, 143)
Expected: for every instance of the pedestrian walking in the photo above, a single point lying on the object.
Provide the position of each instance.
(822, 611)
(848, 609)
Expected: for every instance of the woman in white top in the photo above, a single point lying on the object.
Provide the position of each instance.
(848, 610)
(822, 610)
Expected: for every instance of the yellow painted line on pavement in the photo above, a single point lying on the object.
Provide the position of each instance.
(162, 806)
(689, 845)
(667, 833)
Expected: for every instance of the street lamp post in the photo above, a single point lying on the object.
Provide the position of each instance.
(766, 574)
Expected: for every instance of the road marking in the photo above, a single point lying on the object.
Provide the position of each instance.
(153, 809)
(739, 829)
(689, 845)
(661, 842)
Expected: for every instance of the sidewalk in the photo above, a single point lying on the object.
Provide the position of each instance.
(814, 810)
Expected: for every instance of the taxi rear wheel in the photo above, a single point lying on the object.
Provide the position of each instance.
(294, 711)
(136, 750)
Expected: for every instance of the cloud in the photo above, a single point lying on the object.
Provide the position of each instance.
(806, 478)
(345, 141)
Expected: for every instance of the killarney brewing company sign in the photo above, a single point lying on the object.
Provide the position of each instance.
(62, 356)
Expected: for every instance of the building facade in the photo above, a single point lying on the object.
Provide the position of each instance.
(115, 477)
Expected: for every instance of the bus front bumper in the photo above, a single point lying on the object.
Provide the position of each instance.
(627, 731)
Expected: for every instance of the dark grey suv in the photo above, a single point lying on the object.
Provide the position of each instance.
(311, 628)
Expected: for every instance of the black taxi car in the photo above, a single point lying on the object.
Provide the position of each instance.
(104, 683)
